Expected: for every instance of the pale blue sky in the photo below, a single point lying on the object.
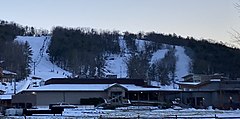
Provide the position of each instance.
(210, 19)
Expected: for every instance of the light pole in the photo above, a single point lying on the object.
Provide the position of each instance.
(1, 71)
(34, 65)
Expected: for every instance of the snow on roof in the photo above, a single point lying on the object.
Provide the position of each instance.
(216, 80)
(115, 84)
(71, 87)
(92, 87)
(170, 87)
(188, 83)
(5, 97)
(24, 85)
(132, 87)
(9, 72)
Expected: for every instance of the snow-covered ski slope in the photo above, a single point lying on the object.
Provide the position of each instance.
(182, 64)
(115, 63)
(44, 68)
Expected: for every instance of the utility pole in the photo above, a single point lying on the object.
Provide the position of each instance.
(120, 71)
(1, 71)
(34, 65)
(14, 86)
(53, 67)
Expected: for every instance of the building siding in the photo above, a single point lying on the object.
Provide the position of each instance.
(46, 98)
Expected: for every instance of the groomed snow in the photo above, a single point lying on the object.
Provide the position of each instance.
(158, 55)
(182, 64)
(116, 63)
(43, 67)
(140, 44)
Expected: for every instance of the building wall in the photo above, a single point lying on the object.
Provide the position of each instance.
(230, 85)
(168, 96)
(213, 86)
(209, 87)
(25, 97)
(212, 98)
(216, 99)
(46, 98)
(207, 98)
(116, 89)
(75, 97)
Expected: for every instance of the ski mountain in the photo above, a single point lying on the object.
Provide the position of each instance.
(115, 64)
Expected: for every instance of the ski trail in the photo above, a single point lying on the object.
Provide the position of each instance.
(43, 67)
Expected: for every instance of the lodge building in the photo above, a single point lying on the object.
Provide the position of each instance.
(198, 91)
(72, 91)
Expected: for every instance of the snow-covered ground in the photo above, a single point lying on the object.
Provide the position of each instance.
(182, 68)
(43, 67)
(182, 64)
(158, 55)
(138, 112)
(8, 87)
(116, 63)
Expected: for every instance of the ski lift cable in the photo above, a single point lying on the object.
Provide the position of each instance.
(40, 55)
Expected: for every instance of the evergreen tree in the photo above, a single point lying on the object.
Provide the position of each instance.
(138, 65)
(28, 58)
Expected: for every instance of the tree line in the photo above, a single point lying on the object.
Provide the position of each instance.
(208, 57)
(14, 56)
(82, 50)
